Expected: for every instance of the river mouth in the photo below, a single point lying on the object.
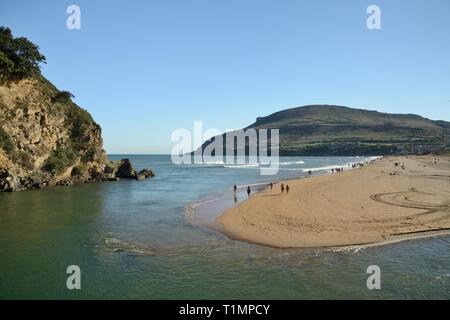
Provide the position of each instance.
(155, 240)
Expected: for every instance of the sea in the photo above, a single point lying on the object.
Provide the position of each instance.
(159, 239)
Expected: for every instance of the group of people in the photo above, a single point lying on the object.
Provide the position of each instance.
(353, 165)
(249, 190)
(397, 164)
(358, 165)
(362, 164)
(282, 187)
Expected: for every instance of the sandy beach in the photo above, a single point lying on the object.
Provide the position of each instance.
(378, 203)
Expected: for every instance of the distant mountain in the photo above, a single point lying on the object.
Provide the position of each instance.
(317, 130)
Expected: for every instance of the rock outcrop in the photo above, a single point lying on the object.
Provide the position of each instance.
(144, 174)
(126, 171)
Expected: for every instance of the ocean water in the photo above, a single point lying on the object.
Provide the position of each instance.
(152, 240)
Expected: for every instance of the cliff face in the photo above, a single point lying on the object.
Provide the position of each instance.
(45, 139)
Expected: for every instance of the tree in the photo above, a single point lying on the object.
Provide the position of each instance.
(63, 97)
(6, 65)
(19, 57)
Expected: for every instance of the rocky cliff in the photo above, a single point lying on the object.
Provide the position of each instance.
(45, 138)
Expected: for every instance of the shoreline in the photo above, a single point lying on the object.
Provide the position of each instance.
(402, 204)
(203, 213)
(392, 240)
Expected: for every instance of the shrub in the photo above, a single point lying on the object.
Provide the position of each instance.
(89, 155)
(80, 120)
(23, 158)
(63, 97)
(5, 141)
(76, 171)
(59, 160)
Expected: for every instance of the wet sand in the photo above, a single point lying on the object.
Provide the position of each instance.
(378, 203)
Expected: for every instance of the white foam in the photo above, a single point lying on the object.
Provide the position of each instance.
(288, 163)
(250, 165)
(323, 168)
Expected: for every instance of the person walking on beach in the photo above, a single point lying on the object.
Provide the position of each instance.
(235, 188)
(282, 188)
(287, 189)
(248, 191)
(271, 186)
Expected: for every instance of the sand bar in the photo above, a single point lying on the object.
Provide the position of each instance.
(368, 205)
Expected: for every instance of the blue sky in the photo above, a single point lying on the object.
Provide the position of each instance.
(146, 68)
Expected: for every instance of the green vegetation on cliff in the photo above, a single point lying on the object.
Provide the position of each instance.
(5, 142)
(59, 160)
(19, 58)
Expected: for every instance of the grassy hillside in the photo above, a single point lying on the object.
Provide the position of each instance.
(325, 129)
(336, 130)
